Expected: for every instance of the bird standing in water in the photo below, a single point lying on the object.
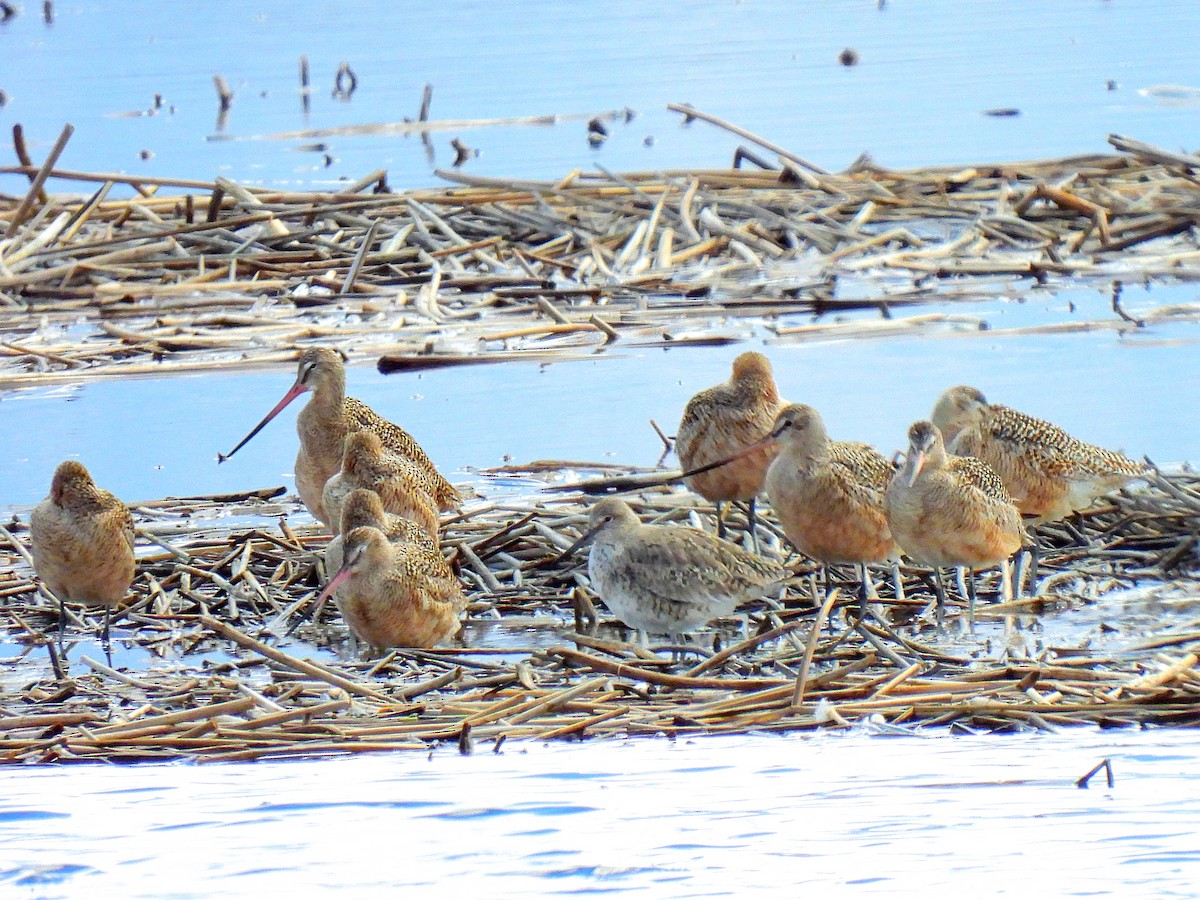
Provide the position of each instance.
(951, 511)
(668, 579)
(82, 539)
(397, 594)
(723, 420)
(398, 483)
(828, 495)
(324, 423)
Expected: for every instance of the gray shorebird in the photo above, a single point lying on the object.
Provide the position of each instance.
(1048, 473)
(396, 594)
(949, 510)
(723, 420)
(399, 484)
(668, 579)
(82, 538)
(324, 423)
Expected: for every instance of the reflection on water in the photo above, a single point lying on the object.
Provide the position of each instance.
(709, 817)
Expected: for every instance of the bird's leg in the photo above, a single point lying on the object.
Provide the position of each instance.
(720, 519)
(62, 626)
(105, 637)
(961, 580)
(864, 595)
(940, 590)
(1007, 591)
(971, 598)
(752, 521)
(1035, 557)
(897, 581)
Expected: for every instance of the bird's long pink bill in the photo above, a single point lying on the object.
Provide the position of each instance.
(760, 443)
(342, 574)
(295, 391)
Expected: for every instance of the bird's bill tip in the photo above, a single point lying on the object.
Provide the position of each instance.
(293, 392)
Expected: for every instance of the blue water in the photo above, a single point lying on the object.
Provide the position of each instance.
(927, 71)
(1104, 386)
(846, 815)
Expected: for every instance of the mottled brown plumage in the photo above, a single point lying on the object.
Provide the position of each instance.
(668, 579)
(949, 510)
(723, 420)
(82, 539)
(396, 594)
(829, 495)
(326, 420)
(363, 507)
(400, 484)
(1049, 473)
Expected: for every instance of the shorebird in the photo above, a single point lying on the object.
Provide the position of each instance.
(949, 510)
(324, 423)
(399, 484)
(828, 495)
(82, 539)
(396, 594)
(668, 579)
(363, 507)
(1048, 473)
(722, 420)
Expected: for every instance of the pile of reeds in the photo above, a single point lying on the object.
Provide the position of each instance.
(234, 662)
(226, 274)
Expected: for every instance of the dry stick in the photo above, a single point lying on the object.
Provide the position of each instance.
(356, 266)
(811, 646)
(300, 665)
(741, 132)
(35, 189)
(18, 132)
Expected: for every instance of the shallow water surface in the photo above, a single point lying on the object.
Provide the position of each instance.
(149, 438)
(926, 73)
(734, 816)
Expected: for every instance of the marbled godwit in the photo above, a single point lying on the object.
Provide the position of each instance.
(396, 594)
(326, 420)
(82, 540)
(363, 507)
(725, 419)
(951, 511)
(400, 484)
(828, 495)
(668, 579)
(1048, 473)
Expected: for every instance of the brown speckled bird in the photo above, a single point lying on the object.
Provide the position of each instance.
(723, 420)
(1048, 473)
(668, 579)
(400, 484)
(951, 511)
(396, 594)
(363, 507)
(829, 495)
(82, 539)
(326, 420)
